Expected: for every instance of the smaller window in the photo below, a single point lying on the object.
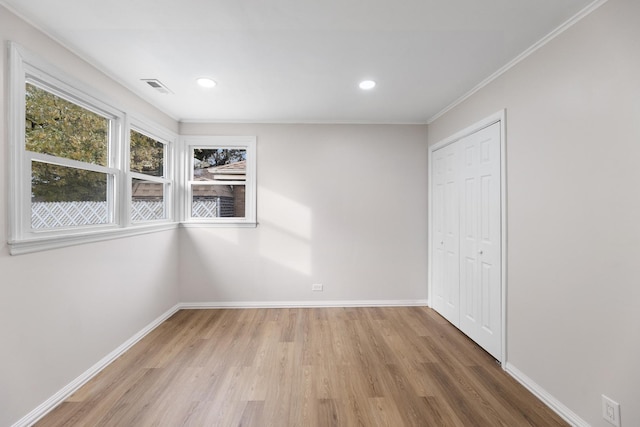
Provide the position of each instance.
(221, 181)
(221, 176)
(150, 186)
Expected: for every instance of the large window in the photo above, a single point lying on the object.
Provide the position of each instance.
(73, 177)
(220, 181)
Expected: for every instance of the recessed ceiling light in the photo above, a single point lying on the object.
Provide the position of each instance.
(367, 84)
(206, 82)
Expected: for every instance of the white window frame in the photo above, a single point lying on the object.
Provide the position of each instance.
(247, 143)
(168, 139)
(23, 67)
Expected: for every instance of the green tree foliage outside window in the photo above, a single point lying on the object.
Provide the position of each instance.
(147, 155)
(220, 156)
(53, 183)
(61, 128)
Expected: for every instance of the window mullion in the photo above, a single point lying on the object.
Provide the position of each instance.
(118, 151)
(25, 196)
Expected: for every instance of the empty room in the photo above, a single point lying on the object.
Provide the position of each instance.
(336, 213)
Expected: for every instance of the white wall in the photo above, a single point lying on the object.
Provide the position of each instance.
(341, 205)
(573, 148)
(61, 311)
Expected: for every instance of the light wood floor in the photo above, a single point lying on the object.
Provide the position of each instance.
(304, 367)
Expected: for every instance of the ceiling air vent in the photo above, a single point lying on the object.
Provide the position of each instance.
(157, 85)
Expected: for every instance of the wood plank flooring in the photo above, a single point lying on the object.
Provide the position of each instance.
(317, 367)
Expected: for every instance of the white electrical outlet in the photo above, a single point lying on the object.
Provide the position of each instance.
(317, 287)
(611, 411)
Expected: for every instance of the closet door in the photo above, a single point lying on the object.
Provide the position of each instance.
(480, 239)
(446, 234)
(466, 239)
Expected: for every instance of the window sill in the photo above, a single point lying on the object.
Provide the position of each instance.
(26, 246)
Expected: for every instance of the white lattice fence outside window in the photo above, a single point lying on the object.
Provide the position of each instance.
(67, 214)
(143, 210)
(204, 209)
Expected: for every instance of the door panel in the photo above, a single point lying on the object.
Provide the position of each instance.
(445, 242)
(483, 239)
(466, 241)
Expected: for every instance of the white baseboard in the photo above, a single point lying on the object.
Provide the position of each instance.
(39, 412)
(303, 304)
(567, 414)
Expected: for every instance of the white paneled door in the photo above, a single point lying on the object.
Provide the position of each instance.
(466, 236)
(446, 234)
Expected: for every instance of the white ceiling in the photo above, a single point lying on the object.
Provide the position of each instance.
(300, 60)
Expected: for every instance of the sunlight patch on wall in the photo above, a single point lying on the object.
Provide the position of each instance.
(285, 231)
(284, 213)
(285, 249)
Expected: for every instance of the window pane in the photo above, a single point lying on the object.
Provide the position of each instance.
(147, 155)
(226, 169)
(147, 200)
(218, 201)
(219, 164)
(61, 128)
(63, 196)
